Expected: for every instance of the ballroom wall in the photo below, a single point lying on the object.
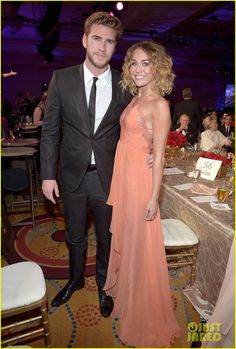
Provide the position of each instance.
(208, 89)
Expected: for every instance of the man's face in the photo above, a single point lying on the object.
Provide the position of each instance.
(227, 120)
(100, 44)
(184, 121)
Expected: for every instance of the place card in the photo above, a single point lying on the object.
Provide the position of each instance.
(208, 167)
(204, 198)
(184, 186)
(220, 206)
(172, 171)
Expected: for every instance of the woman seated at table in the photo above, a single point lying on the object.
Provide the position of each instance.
(211, 138)
(39, 111)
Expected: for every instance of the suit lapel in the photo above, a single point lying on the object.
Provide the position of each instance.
(81, 96)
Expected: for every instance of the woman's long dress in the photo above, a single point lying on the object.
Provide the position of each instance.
(137, 274)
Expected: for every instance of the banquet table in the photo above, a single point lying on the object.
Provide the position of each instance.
(214, 228)
(29, 130)
(20, 142)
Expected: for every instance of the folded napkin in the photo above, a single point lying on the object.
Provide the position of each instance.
(202, 189)
(220, 206)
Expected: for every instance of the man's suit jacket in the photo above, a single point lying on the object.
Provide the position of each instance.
(222, 129)
(191, 108)
(67, 111)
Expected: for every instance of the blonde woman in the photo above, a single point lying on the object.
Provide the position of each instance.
(211, 138)
(137, 273)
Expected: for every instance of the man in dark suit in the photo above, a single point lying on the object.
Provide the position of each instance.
(228, 131)
(227, 128)
(87, 148)
(191, 108)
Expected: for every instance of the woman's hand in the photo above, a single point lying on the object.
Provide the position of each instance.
(151, 210)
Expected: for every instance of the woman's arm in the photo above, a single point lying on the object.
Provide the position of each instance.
(161, 122)
(37, 116)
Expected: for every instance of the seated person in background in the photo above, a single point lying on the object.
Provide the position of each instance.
(211, 138)
(210, 112)
(227, 128)
(39, 111)
(183, 127)
(5, 131)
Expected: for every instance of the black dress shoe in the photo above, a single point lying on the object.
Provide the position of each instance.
(64, 295)
(105, 303)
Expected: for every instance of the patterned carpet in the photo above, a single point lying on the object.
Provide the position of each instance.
(78, 323)
(46, 245)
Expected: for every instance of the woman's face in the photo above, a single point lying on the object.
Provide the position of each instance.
(213, 125)
(140, 68)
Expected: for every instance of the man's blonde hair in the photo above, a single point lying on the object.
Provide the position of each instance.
(106, 19)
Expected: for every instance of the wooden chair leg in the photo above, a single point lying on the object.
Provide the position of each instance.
(193, 268)
(47, 337)
(9, 236)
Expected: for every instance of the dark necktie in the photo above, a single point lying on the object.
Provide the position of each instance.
(227, 131)
(92, 103)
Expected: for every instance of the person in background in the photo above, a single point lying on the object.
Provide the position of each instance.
(7, 108)
(183, 127)
(210, 112)
(212, 139)
(228, 130)
(39, 111)
(138, 275)
(5, 130)
(190, 107)
(76, 96)
(20, 103)
(227, 127)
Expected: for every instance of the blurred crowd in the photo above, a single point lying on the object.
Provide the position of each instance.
(205, 128)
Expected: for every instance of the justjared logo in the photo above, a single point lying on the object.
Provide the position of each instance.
(204, 332)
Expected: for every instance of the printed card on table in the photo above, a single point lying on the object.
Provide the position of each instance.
(208, 168)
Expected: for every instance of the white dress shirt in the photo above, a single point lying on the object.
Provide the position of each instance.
(227, 129)
(103, 95)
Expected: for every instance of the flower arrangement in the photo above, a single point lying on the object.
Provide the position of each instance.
(214, 156)
(176, 139)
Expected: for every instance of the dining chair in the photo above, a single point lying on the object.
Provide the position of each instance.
(17, 180)
(181, 245)
(24, 304)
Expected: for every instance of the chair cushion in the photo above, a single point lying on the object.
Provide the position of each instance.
(22, 284)
(15, 179)
(177, 233)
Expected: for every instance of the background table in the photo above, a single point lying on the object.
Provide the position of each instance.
(20, 142)
(28, 153)
(215, 230)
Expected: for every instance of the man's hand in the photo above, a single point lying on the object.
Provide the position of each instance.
(49, 187)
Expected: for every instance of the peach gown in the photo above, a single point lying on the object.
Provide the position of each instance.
(137, 273)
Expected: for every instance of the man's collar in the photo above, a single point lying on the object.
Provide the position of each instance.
(103, 78)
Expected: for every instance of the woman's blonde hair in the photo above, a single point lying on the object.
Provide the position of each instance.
(106, 19)
(160, 63)
(207, 122)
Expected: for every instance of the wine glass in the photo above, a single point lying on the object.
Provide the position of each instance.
(195, 174)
